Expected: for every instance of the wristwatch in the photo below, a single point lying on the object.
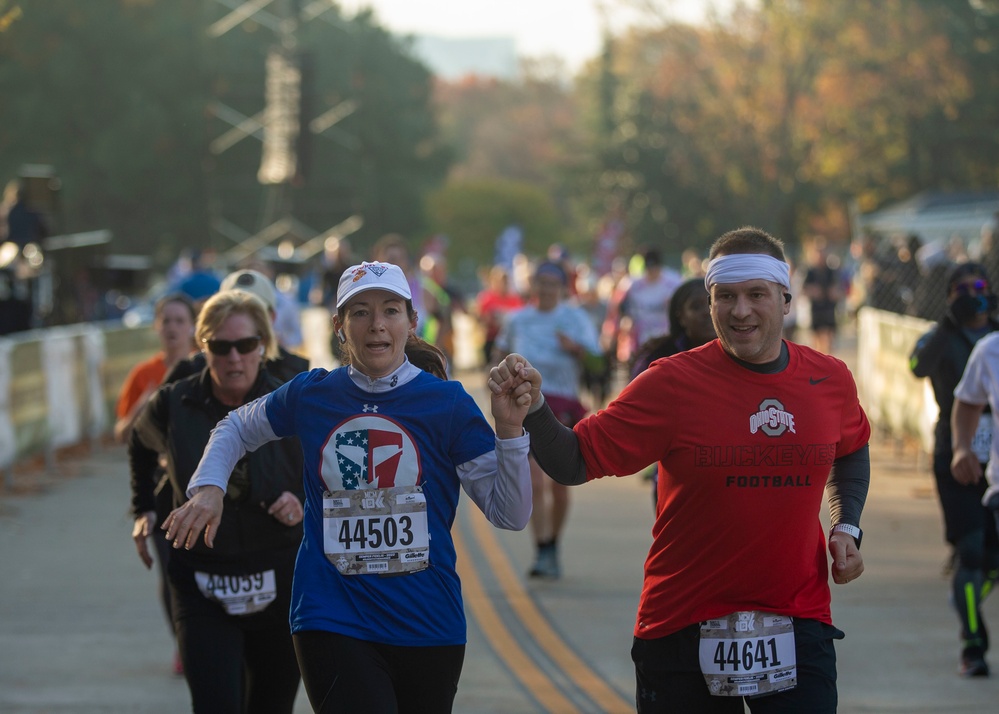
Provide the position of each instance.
(854, 531)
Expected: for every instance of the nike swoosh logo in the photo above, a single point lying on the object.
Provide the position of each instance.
(813, 381)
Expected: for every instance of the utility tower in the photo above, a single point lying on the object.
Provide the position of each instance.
(283, 127)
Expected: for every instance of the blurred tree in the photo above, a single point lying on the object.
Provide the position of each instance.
(962, 136)
(894, 109)
(378, 160)
(120, 97)
(9, 12)
(520, 130)
(525, 131)
(598, 197)
(111, 93)
(473, 213)
(776, 114)
(773, 114)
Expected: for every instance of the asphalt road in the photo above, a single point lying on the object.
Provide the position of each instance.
(81, 631)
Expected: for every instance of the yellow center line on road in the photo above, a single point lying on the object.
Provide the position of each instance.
(574, 668)
(499, 637)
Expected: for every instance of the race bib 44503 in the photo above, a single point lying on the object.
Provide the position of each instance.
(379, 531)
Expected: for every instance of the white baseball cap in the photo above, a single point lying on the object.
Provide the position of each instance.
(253, 282)
(372, 276)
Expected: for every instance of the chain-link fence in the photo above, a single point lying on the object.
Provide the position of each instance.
(909, 278)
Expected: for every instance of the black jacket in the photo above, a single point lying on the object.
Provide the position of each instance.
(942, 354)
(177, 422)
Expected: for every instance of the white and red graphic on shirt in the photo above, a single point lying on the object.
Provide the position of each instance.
(771, 418)
(369, 452)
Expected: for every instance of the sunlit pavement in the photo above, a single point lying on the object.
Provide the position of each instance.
(81, 630)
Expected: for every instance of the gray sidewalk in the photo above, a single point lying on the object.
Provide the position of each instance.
(81, 630)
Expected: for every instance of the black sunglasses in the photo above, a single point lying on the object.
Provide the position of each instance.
(244, 346)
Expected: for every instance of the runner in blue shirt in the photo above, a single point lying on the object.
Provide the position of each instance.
(554, 335)
(377, 613)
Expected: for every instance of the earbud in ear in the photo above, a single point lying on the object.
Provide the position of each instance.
(787, 298)
(340, 335)
(262, 350)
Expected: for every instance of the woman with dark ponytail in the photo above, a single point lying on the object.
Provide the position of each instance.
(388, 445)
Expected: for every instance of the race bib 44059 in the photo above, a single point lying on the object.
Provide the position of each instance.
(239, 594)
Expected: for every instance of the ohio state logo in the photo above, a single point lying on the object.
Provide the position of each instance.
(772, 419)
(369, 451)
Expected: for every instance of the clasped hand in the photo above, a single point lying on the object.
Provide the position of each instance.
(514, 385)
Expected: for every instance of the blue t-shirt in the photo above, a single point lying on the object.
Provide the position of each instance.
(425, 428)
(534, 334)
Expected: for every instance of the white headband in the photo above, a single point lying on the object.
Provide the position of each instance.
(739, 267)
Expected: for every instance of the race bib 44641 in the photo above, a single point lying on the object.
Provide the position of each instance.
(747, 653)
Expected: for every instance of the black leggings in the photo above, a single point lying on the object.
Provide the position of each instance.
(343, 674)
(235, 664)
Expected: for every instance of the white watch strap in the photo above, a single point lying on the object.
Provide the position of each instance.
(848, 529)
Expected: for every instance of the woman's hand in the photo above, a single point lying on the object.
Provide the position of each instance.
(287, 509)
(141, 530)
(203, 511)
(514, 386)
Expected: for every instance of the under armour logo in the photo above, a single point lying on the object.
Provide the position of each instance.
(370, 408)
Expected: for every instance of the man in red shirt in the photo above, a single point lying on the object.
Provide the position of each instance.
(746, 431)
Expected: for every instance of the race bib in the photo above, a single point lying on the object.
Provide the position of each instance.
(239, 594)
(379, 531)
(748, 653)
(982, 442)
